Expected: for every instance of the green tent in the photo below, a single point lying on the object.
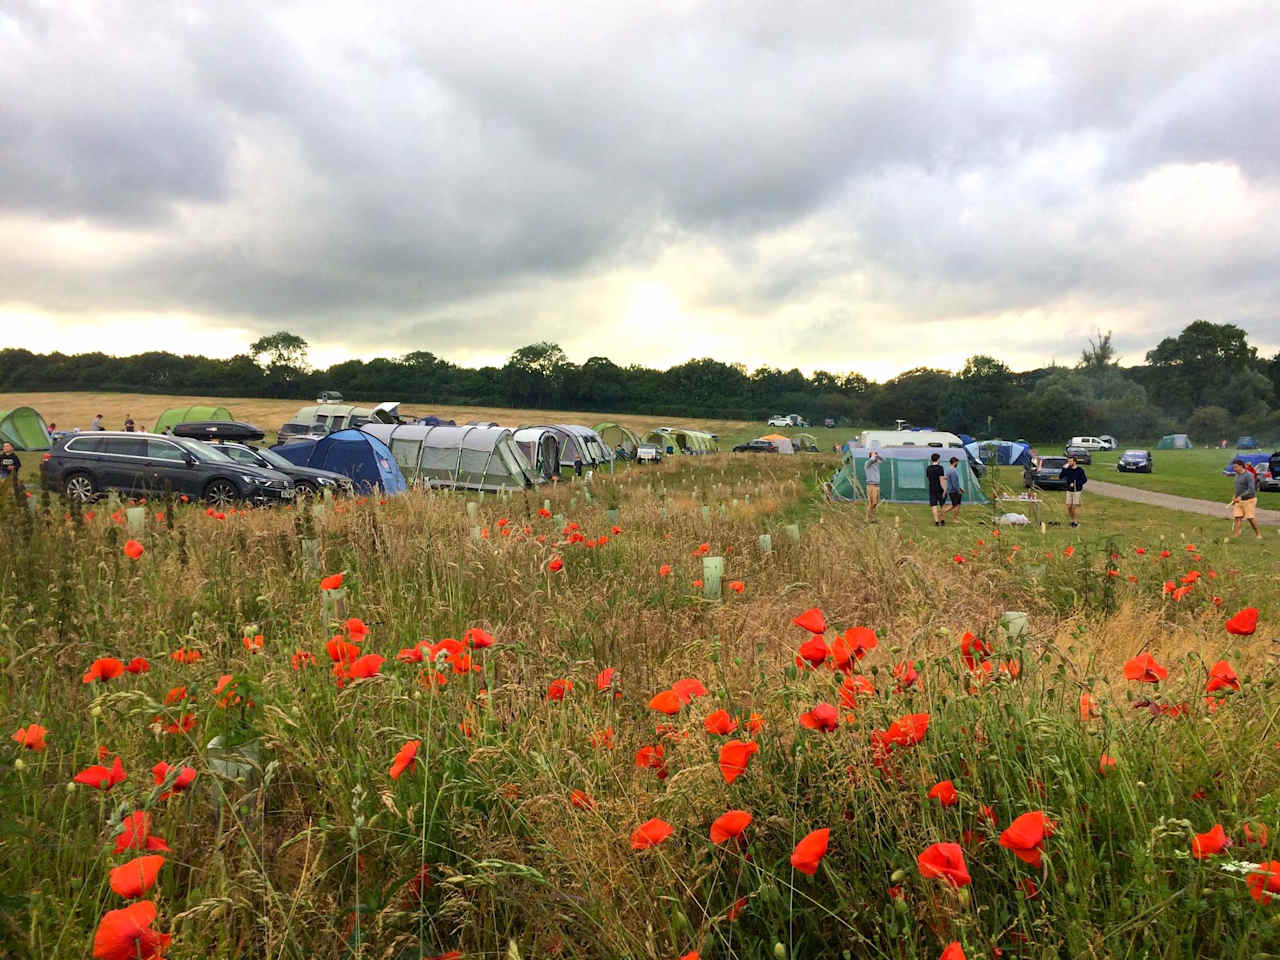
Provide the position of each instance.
(902, 477)
(615, 435)
(176, 415)
(24, 428)
(1174, 441)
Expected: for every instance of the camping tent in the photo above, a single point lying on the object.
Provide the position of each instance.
(615, 435)
(24, 428)
(360, 456)
(902, 476)
(541, 447)
(468, 458)
(1002, 453)
(1257, 459)
(176, 415)
(1174, 441)
(805, 442)
(783, 444)
(681, 440)
(577, 442)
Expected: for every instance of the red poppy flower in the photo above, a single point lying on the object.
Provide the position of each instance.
(132, 549)
(907, 731)
(31, 736)
(664, 570)
(555, 565)
(697, 584)
(850, 646)
(823, 717)
(604, 679)
(1243, 623)
(1205, 845)
(477, 639)
(1181, 592)
(366, 666)
(133, 879)
(810, 851)
(581, 800)
(737, 586)
(252, 643)
(987, 813)
(340, 651)
(101, 778)
(160, 772)
(952, 951)
(1264, 881)
(1144, 669)
(355, 628)
(811, 620)
(720, 723)
(973, 649)
(135, 834)
(138, 665)
(102, 670)
(691, 955)
(1088, 707)
(650, 757)
(331, 582)
(906, 674)
(813, 652)
(1221, 676)
(1106, 763)
(667, 702)
(127, 935)
(687, 688)
(302, 658)
(603, 739)
(753, 723)
(404, 759)
(410, 655)
(650, 834)
(558, 688)
(729, 825)
(944, 861)
(855, 685)
(958, 558)
(1025, 836)
(1258, 839)
(944, 791)
(734, 757)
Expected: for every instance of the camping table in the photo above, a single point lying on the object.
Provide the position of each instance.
(1033, 502)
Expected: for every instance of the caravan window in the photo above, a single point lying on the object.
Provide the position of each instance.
(406, 452)
(322, 420)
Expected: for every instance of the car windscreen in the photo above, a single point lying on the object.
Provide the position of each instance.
(204, 450)
(275, 459)
(1135, 454)
(1052, 463)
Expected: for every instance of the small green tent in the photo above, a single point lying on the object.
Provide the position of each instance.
(615, 435)
(24, 428)
(902, 477)
(1174, 441)
(176, 415)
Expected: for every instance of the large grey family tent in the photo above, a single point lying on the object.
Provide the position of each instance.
(902, 476)
(577, 442)
(176, 415)
(681, 440)
(466, 458)
(615, 435)
(1000, 453)
(353, 453)
(24, 428)
(1174, 441)
(541, 447)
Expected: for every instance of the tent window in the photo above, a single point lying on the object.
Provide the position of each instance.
(406, 452)
(440, 463)
(910, 475)
(473, 465)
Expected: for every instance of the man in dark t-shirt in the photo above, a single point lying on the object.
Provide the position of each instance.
(934, 474)
(10, 465)
(1075, 479)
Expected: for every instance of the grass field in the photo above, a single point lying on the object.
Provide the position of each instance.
(513, 831)
(1186, 473)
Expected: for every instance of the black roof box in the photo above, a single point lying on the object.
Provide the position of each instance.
(219, 430)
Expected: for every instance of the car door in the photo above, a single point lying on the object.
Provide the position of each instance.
(124, 464)
(167, 468)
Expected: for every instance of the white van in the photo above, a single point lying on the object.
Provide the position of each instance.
(1091, 443)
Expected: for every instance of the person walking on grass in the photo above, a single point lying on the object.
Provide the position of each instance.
(1243, 505)
(872, 468)
(955, 491)
(1075, 479)
(937, 496)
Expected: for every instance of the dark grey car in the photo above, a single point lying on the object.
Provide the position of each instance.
(1135, 461)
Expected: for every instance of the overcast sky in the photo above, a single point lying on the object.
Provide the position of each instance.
(849, 185)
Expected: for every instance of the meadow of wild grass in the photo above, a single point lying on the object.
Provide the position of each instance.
(403, 730)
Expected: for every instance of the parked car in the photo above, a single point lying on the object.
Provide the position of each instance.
(1109, 440)
(1091, 443)
(1043, 474)
(1135, 461)
(1082, 454)
(648, 453)
(307, 481)
(778, 420)
(1246, 443)
(1269, 479)
(756, 446)
(86, 465)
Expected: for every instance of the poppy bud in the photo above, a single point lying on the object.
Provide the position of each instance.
(95, 711)
(71, 786)
(779, 950)
(898, 876)
(678, 920)
(19, 765)
(900, 906)
(963, 895)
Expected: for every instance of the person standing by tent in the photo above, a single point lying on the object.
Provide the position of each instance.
(128, 423)
(937, 496)
(872, 467)
(577, 464)
(10, 464)
(1244, 504)
(955, 490)
(97, 423)
(1075, 479)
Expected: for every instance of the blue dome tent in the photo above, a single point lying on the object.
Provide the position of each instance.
(1000, 453)
(362, 457)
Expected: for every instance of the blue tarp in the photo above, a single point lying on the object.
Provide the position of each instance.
(362, 457)
(1002, 453)
(1257, 459)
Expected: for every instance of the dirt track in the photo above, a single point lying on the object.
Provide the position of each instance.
(1210, 508)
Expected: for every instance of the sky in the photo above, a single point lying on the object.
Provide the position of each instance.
(848, 186)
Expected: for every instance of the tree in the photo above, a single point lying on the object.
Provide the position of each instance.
(534, 374)
(1209, 424)
(1186, 367)
(1099, 355)
(281, 349)
(980, 398)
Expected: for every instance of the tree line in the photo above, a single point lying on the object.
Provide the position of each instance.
(1208, 381)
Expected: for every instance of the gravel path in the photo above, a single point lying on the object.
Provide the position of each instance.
(1210, 508)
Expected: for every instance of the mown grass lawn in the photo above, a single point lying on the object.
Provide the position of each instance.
(1185, 473)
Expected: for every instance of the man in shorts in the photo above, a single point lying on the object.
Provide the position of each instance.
(955, 490)
(872, 467)
(1244, 504)
(937, 496)
(1075, 478)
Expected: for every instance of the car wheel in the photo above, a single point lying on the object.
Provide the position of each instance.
(221, 493)
(79, 487)
(303, 488)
